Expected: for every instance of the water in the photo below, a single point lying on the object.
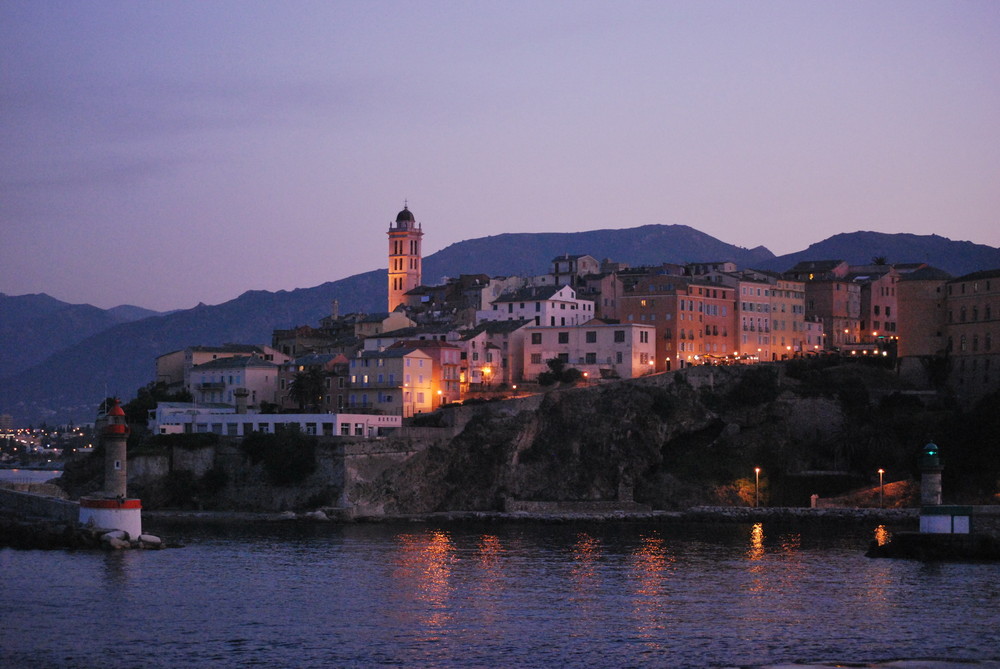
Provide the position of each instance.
(512, 595)
(28, 475)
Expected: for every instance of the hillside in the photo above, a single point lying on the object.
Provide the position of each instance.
(858, 248)
(670, 441)
(119, 360)
(33, 327)
(81, 366)
(532, 253)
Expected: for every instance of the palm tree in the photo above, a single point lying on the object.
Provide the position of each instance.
(880, 260)
(307, 389)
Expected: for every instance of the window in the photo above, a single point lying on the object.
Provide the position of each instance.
(536, 338)
(644, 337)
(536, 358)
(618, 357)
(619, 336)
(591, 337)
(591, 358)
(563, 338)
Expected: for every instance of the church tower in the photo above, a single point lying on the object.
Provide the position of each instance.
(404, 256)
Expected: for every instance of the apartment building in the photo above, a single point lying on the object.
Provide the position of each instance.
(542, 305)
(397, 381)
(973, 333)
(597, 348)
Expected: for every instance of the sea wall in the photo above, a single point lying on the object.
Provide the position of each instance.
(29, 505)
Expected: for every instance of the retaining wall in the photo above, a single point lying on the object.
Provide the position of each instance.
(28, 505)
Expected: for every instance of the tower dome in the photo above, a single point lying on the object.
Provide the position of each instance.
(405, 216)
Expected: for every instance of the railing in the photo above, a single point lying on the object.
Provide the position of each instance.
(211, 386)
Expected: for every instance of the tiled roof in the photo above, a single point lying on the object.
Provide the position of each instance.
(926, 274)
(530, 294)
(243, 362)
(495, 327)
(975, 276)
(313, 359)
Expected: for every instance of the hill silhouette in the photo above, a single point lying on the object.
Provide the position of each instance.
(70, 382)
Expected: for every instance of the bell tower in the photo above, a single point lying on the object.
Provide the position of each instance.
(404, 256)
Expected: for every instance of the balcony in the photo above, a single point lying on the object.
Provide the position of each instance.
(211, 386)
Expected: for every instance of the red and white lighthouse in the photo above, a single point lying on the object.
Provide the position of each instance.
(111, 508)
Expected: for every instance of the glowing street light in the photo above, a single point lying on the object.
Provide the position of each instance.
(881, 487)
(756, 487)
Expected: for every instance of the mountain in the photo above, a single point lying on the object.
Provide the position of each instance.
(33, 327)
(532, 253)
(70, 383)
(858, 248)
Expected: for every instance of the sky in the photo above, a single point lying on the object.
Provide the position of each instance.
(163, 154)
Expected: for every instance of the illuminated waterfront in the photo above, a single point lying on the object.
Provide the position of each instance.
(502, 594)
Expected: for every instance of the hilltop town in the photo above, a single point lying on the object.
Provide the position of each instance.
(587, 321)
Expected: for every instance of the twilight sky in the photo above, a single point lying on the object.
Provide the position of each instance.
(166, 153)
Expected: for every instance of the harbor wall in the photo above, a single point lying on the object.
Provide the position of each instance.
(30, 505)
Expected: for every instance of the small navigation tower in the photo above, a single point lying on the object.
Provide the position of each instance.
(111, 508)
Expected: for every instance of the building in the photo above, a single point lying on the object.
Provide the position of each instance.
(445, 365)
(542, 305)
(879, 309)
(597, 348)
(405, 237)
(324, 374)
(693, 318)
(174, 368)
(972, 330)
(832, 297)
(396, 381)
(189, 418)
(493, 354)
(224, 380)
(923, 313)
(569, 270)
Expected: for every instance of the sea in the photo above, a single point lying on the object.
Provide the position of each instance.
(494, 594)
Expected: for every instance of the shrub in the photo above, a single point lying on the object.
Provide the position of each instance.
(288, 457)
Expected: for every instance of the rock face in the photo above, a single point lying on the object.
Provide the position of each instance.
(664, 442)
(673, 441)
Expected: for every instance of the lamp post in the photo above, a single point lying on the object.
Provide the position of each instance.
(756, 487)
(881, 487)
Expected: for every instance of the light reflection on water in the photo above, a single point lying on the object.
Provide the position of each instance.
(496, 595)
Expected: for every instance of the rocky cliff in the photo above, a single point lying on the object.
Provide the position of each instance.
(668, 441)
(672, 441)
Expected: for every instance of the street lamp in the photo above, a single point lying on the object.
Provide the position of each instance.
(756, 487)
(881, 487)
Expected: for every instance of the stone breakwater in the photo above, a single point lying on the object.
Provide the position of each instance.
(61, 535)
(703, 514)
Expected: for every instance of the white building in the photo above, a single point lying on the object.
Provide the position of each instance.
(190, 418)
(217, 381)
(542, 305)
(600, 349)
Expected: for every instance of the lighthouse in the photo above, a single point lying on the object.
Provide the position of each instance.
(111, 508)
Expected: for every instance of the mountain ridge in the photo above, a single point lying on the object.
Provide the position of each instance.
(69, 383)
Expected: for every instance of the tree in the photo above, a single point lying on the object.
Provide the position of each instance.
(146, 399)
(880, 260)
(288, 456)
(307, 389)
(558, 373)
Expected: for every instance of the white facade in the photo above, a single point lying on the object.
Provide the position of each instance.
(185, 418)
(600, 349)
(543, 306)
(111, 514)
(216, 381)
